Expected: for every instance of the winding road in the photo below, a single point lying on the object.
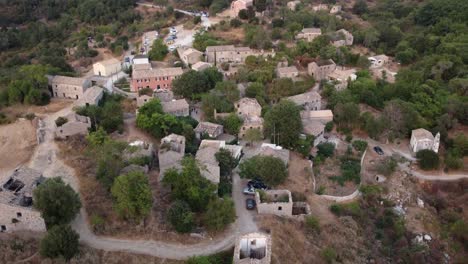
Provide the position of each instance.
(45, 159)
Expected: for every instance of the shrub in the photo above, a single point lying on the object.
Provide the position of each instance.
(359, 145)
(326, 149)
(428, 159)
(329, 126)
(320, 190)
(219, 213)
(328, 254)
(387, 166)
(181, 217)
(61, 121)
(59, 241)
(312, 224)
(97, 222)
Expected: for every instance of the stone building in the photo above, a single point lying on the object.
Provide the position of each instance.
(309, 100)
(320, 7)
(248, 107)
(322, 116)
(75, 125)
(176, 107)
(16, 201)
(201, 66)
(293, 4)
(107, 67)
(276, 202)
(189, 56)
(238, 5)
(170, 154)
(231, 54)
(210, 129)
(143, 99)
(320, 69)
(423, 139)
(287, 72)
(314, 128)
(309, 34)
(378, 61)
(68, 87)
(335, 9)
(342, 77)
(92, 96)
(251, 122)
(342, 37)
(253, 248)
(209, 166)
(155, 79)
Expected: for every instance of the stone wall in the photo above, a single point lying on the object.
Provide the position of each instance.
(14, 218)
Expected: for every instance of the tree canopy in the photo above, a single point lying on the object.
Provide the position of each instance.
(270, 169)
(60, 241)
(133, 195)
(57, 202)
(283, 123)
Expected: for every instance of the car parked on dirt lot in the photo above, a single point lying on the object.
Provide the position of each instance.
(378, 150)
(250, 204)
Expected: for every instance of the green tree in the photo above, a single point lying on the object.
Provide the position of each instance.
(219, 213)
(253, 135)
(191, 84)
(60, 241)
(329, 255)
(57, 202)
(132, 193)
(346, 115)
(232, 124)
(189, 186)
(427, 159)
(158, 50)
(226, 161)
(360, 7)
(227, 90)
(283, 123)
(270, 169)
(180, 216)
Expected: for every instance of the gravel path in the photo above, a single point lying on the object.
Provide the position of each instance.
(45, 159)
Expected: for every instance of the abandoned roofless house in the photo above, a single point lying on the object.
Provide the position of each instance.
(253, 248)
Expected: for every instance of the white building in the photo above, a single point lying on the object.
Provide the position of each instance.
(107, 67)
(423, 139)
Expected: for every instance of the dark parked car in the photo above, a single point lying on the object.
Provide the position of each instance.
(257, 184)
(378, 150)
(250, 204)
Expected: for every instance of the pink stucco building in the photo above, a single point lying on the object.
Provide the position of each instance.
(156, 79)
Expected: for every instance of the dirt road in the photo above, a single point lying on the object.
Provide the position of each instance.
(46, 160)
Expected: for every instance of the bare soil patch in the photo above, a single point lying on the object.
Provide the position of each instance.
(17, 143)
(234, 35)
(18, 110)
(300, 175)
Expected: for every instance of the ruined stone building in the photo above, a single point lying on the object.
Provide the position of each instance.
(170, 154)
(253, 248)
(209, 129)
(277, 202)
(75, 125)
(16, 201)
(209, 166)
(309, 100)
(178, 107)
(320, 69)
(309, 34)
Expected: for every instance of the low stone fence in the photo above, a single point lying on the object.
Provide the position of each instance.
(355, 194)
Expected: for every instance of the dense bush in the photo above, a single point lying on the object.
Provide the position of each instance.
(427, 159)
(60, 241)
(270, 169)
(180, 216)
